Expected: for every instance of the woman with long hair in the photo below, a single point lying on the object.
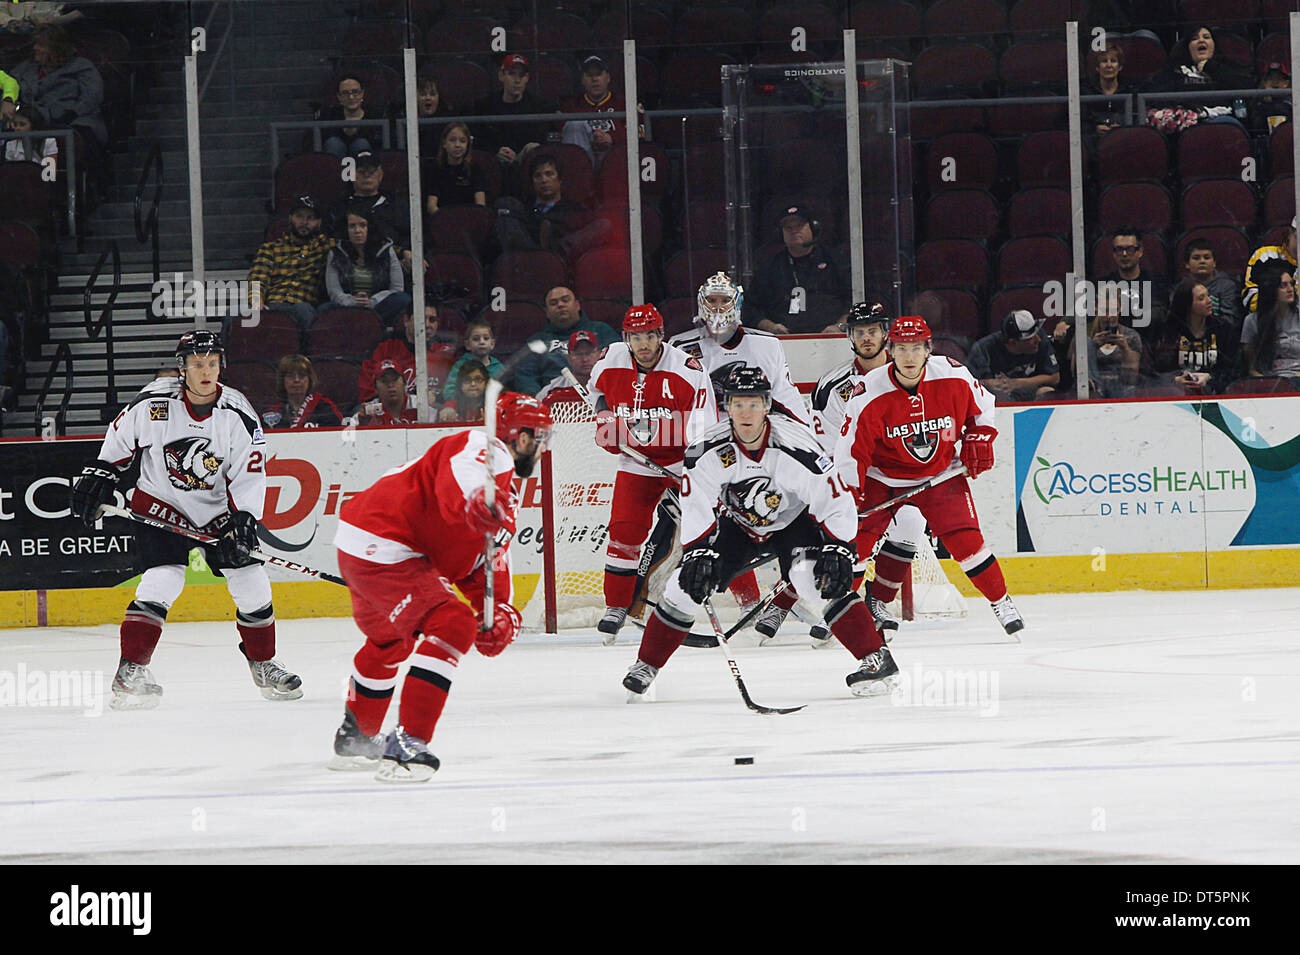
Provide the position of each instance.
(363, 270)
(1195, 348)
(1270, 335)
(301, 406)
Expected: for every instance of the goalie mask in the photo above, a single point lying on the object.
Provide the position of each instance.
(719, 317)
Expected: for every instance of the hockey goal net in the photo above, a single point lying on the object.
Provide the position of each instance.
(577, 492)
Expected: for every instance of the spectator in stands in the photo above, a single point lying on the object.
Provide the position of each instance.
(595, 136)
(26, 119)
(342, 141)
(584, 352)
(1115, 352)
(1016, 363)
(367, 196)
(400, 353)
(1269, 113)
(1225, 291)
(8, 95)
(301, 405)
(1148, 292)
(363, 271)
(390, 407)
(480, 341)
(511, 142)
(1270, 335)
(291, 269)
(452, 179)
(1267, 262)
(550, 221)
(467, 405)
(1197, 348)
(1105, 66)
(804, 288)
(564, 317)
(428, 100)
(68, 91)
(1194, 69)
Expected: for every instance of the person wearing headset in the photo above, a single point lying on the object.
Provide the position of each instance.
(804, 288)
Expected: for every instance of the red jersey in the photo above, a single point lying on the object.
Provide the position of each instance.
(901, 438)
(418, 509)
(666, 408)
(383, 419)
(613, 103)
(440, 358)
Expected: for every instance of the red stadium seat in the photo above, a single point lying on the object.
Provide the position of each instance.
(723, 25)
(1041, 16)
(886, 18)
(656, 173)
(462, 34)
(1212, 151)
(1216, 13)
(463, 229)
(554, 78)
(607, 310)
(1232, 249)
(1219, 202)
(679, 315)
(274, 335)
(961, 161)
(462, 82)
(1033, 260)
(455, 269)
(954, 67)
(1029, 297)
(778, 23)
(1033, 63)
(1155, 255)
(515, 325)
(550, 31)
(1144, 57)
(1146, 205)
(1132, 153)
(1039, 212)
(316, 174)
(1280, 160)
(345, 332)
(255, 380)
(1279, 202)
(965, 18)
(952, 263)
(962, 214)
(338, 381)
(604, 273)
(706, 223)
(693, 79)
(650, 27)
(704, 172)
(527, 275)
(963, 313)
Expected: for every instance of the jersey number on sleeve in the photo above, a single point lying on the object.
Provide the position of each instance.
(837, 485)
(255, 462)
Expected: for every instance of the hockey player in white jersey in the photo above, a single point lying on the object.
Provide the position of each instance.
(761, 484)
(202, 467)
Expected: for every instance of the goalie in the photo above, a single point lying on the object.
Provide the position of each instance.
(761, 484)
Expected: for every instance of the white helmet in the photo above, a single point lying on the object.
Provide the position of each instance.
(719, 322)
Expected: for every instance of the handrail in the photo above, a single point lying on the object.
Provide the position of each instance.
(146, 229)
(104, 323)
(316, 125)
(62, 353)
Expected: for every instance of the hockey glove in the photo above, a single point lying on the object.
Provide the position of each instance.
(833, 570)
(91, 490)
(699, 573)
(610, 431)
(239, 540)
(505, 627)
(481, 518)
(977, 449)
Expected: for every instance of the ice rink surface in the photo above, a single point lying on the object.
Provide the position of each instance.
(1139, 727)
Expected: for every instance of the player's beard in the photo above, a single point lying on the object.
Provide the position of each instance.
(524, 463)
(875, 354)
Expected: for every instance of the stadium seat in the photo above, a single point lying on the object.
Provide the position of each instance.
(256, 380)
(1212, 151)
(1235, 49)
(20, 245)
(947, 68)
(1033, 260)
(704, 173)
(1042, 211)
(393, 163)
(1216, 13)
(554, 78)
(686, 271)
(274, 335)
(463, 229)
(679, 315)
(723, 25)
(950, 348)
(1144, 57)
(1279, 202)
(777, 25)
(607, 310)
(518, 322)
(338, 381)
(350, 332)
(1132, 153)
(1274, 48)
(652, 227)
(452, 270)
(693, 79)
(929, 122)
(1045, 17)
(462, 82)
(1155, 255)
(1276, 14)
(963, 313)
(1020, 119)
(462, 34)
(964, 18)
(603, 273)
(962, 214)
(952, 263)
(656, 173)
(550, 31)
(315, 174)
(1231, 247)
(1146, 205)
(576, 172)
(705, 223)
(1029, 297)
(886, 18)
(651, 28)
(374, 38)
(1219, 202)
(1033, 63)
(974, 162)
(1280, 160)
(527, 275)
(811, 167)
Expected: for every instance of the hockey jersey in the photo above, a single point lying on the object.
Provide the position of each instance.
(558, 390)
(418, 510)
(746, 348)
(763, 491)
(666, 408)
(901, 438)
(831, 397)
(193, 470)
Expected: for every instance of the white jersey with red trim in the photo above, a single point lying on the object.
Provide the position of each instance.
(901, 437)
(200, 468)
(830, 399)
(558, 389)
(750, 348)
(763, 491)
(666, 408)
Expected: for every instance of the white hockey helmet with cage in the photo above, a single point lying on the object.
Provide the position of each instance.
(719, 321)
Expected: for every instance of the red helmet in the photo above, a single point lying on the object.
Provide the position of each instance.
(643, 318)
(516, 411)
(909, 328)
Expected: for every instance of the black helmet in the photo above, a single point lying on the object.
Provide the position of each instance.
(747, 380)
(199, 343)
(868, 313)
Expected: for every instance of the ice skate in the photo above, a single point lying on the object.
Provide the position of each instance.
(1008, 615)
(275, 682)
(821, 636)
(353, 749)
(885, 620)
(769, 622)
(406, 759)
(637, 682)
(875, 676)
(611, 624)
(134, 688)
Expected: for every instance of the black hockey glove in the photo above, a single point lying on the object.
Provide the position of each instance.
(239, 539)
(91, 490)
(833, 570)
(699, 573)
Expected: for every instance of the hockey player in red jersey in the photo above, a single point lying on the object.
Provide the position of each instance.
(760, 484)
(202, 467)
(903, 430)
(656, 399)
(402, 544)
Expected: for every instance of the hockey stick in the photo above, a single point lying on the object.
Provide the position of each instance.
(490, 395)
(899, 498)
(112, 510)
(735, 670)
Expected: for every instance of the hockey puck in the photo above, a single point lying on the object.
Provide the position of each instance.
(744, 760)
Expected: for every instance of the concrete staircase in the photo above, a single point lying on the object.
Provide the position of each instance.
(274, 66)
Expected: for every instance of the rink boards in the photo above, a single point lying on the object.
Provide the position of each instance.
(1084, 497)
